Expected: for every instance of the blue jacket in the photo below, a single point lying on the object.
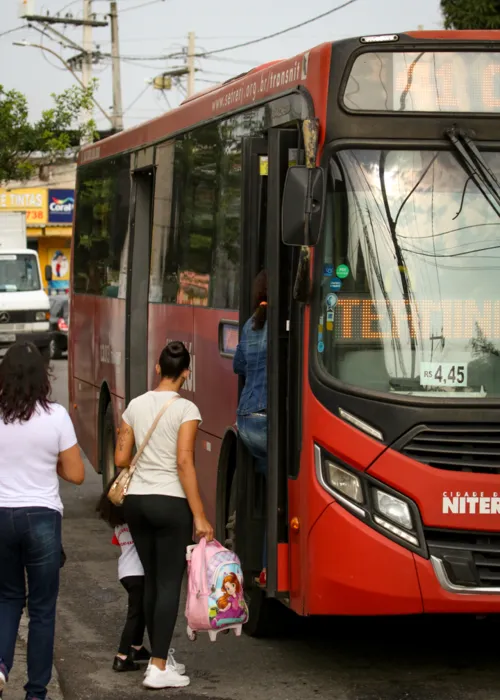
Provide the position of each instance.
(250, 361)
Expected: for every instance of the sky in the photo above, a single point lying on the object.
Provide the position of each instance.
(150, 29)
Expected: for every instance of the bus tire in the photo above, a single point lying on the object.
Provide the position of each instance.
(108, 442)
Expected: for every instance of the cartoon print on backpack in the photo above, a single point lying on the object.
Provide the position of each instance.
(227, 605)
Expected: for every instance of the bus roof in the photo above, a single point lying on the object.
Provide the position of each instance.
(309, 69)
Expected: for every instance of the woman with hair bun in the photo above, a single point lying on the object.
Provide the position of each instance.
(161, 503)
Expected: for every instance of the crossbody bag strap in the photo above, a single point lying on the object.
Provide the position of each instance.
(139, 452)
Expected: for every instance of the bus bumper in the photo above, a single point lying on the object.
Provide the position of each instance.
(355, 570)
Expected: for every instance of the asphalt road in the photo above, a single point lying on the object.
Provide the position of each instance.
(340, 659)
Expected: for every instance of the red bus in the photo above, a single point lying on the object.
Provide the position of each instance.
(364, 175)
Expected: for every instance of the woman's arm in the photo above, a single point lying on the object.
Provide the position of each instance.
(187, 477)
(124, 446)
(70, 465)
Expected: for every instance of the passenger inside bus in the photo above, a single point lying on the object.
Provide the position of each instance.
(250, 362)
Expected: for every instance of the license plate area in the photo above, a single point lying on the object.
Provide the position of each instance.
(7, 338)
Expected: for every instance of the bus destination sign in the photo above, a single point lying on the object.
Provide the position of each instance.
(425, 81)
(360, 319)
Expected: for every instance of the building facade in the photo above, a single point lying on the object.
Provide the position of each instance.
(48, 201)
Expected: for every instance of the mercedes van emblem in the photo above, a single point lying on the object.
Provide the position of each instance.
(4, 317)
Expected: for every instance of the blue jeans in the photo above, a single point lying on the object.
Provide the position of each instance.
(253, 431)
(30, 542)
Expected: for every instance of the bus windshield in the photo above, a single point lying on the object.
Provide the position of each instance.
(19, 272)
(410, 291)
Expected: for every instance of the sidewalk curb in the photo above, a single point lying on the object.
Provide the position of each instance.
(55, 692)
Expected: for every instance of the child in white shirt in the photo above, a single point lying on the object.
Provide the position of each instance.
(131, 651)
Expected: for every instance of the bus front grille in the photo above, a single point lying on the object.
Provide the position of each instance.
(466, 447)
(471, 559)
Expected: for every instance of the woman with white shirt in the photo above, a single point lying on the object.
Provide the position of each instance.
(38, 444)
(162, 501)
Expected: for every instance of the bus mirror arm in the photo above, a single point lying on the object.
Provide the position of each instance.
(303, 205)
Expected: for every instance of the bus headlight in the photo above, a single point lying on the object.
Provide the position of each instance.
(393, 508)
(379, 506)
(343, 481)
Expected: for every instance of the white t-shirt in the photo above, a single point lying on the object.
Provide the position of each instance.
(28, 458)
(156, 472)
(129, 563)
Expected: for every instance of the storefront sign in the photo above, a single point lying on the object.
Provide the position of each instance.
(32, 200)
(61, 206)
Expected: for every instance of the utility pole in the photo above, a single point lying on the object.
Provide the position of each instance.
(115, 57)
(190, 64)
(87, 43)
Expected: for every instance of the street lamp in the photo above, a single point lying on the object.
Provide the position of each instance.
(68, 67)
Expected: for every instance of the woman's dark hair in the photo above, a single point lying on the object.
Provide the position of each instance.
(111, 514)
(260, 301)
(174, 360)
(24, 383)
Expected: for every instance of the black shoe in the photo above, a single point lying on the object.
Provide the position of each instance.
(124, 665)
(140, 656)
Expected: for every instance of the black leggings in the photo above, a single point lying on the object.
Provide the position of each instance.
(133, 632)
(162, 528)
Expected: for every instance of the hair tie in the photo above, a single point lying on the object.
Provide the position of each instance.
(263, 303)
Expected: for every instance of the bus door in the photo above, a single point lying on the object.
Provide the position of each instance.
(262, 503)
(136, 345)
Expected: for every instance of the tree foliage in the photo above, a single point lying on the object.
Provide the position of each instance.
(52, 134)
(471, 14)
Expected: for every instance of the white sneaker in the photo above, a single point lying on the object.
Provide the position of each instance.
(168, 678)
(3, 681)
(172, 663)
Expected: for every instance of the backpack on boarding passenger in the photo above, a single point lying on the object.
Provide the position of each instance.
(215, 601)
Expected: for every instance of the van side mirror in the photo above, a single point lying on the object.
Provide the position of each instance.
(48, 273)
(303, 208)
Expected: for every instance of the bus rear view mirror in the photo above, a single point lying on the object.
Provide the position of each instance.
(48, 273)
(303, 205)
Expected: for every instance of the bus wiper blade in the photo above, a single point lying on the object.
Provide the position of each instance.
(476, 167)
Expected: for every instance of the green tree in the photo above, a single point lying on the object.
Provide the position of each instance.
(55, 132)
(471, 14)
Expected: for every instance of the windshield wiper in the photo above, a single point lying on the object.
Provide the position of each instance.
(477, 168)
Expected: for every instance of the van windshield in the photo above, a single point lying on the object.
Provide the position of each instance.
(19, 273)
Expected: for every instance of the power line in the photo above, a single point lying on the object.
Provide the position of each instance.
(16, 29)
(282, 31)
(139, 7)
(136, 99)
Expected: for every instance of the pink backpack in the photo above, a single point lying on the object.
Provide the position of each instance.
(215, 601)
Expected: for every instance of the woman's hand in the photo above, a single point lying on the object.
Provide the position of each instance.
(203, 528)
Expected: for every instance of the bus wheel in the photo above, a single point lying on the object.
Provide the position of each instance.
(108, 468)
(262, 613)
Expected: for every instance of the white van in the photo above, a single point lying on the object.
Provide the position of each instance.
(24, 305)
